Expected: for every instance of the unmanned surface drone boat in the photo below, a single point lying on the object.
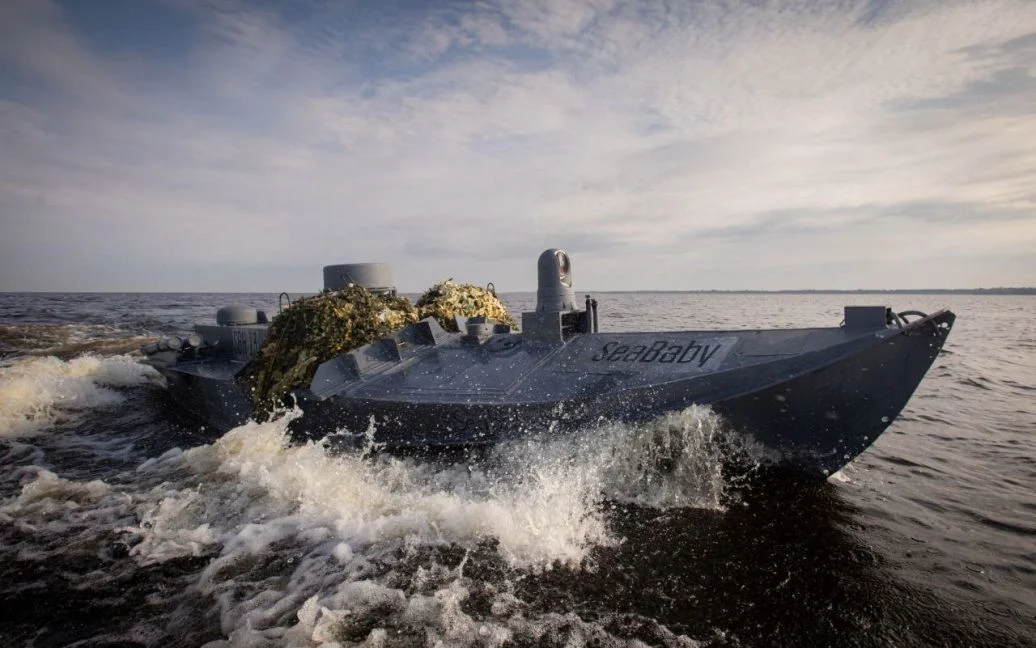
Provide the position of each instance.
(813, 398)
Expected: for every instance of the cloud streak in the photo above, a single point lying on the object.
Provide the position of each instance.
(669, 145)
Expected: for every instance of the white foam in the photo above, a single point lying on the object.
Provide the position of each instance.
(673, 461)
(544, 514)
(50, 505)
(310, 547)
(38, 393)
(171, 527)
(541, 501)
(47, 493)
(844, 475)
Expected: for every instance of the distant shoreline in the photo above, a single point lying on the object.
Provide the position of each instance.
(871, 291)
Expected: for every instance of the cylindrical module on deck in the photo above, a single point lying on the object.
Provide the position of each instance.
(375, 277)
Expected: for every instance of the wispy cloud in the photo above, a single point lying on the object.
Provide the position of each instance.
(669, 145)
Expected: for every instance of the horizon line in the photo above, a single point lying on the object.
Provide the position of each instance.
(999, 290)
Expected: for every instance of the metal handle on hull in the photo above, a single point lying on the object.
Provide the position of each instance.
(902, 321)
(904, 314)
(901, 317)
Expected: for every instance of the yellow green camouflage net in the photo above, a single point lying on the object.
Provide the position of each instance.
(447, 299)
(312, 330)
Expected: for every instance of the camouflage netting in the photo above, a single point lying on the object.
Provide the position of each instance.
(446, 299)
(315, 329)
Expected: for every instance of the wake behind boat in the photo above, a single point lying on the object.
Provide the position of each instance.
(813, 398)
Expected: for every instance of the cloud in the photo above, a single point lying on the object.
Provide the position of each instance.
(668, 145)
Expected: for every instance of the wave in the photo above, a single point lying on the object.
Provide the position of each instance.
(67, 340)
(38, 393)
(372, 535)
(304, 543)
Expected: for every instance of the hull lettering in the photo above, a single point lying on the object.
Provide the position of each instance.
(694, 353)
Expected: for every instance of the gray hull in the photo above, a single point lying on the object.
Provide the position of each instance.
(813, 399)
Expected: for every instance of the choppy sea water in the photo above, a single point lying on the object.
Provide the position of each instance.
(119, 526)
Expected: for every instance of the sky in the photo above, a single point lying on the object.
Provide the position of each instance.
(222, 145)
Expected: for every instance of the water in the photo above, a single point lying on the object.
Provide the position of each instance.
(120, 527)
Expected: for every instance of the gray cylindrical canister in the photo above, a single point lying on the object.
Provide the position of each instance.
(375, 277)
(236, 316)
